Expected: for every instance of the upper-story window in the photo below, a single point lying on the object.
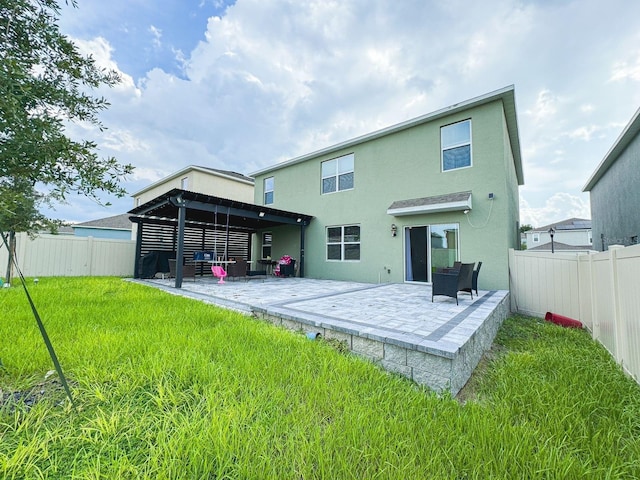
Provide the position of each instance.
(184, 183)
(268, 191)
(536, 237)
(338, 174)
(456, 145)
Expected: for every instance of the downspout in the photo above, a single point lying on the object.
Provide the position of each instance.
(302, 228)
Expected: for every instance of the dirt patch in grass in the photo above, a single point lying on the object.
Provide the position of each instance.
(50, 389)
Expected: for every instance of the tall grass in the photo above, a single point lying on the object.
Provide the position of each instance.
(168, 387)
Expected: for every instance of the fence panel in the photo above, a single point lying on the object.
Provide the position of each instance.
(603, 301)
(584, 290)
(544, 282)
(628, 266)
(68, 256)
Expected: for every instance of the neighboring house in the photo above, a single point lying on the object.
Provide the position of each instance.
(615, 191)
(204, 180)
(209, 181)
(572, 235)
(118, 226)
(395, 204)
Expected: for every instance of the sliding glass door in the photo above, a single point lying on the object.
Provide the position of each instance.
(429, 247)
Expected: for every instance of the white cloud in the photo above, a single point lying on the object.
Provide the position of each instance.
(628, 68)
(148, 175)
(558, 207)
(123, 141)
(156, 35)
(272, 80)
(545, 108)
(101, 51)
(584, 133)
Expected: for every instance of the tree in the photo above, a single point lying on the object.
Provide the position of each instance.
(525, 228)
(46, 84)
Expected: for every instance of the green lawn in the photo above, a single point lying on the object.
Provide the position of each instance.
(167, 387)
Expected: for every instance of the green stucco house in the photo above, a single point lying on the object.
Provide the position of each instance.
(395, 204)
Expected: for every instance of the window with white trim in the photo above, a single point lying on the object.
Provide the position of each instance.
(267, 238)
(536, 237)
(338, 174)
(268, 190)
(343, 243)
(456, 145)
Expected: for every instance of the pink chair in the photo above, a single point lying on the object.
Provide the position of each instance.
(219, 272)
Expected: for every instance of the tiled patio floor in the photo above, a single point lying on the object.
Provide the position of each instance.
(436, 344)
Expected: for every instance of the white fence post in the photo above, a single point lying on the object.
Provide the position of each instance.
(513, 272)
(90, 255)
(615, 311)
(595, 320)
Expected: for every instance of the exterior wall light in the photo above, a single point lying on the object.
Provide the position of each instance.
(394, 230)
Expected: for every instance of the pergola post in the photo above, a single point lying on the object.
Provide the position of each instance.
(182, 214)
(136, 266)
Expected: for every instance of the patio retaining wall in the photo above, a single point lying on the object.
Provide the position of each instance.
(439, 370)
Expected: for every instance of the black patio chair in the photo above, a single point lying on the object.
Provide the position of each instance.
(474, 279)
(450, 284)
(188, 269)
(238, 269)
(288, 270)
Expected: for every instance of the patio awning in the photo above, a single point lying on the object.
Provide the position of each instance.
(451, 202)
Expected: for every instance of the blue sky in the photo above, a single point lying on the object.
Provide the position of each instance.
(246, 84)
(144, 34)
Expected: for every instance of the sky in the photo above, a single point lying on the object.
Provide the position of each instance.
(247, 84)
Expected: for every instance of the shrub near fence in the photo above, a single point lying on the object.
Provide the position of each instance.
(69, 256)
(600, 290)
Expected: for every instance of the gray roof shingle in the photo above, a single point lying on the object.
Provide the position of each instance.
(117, 221)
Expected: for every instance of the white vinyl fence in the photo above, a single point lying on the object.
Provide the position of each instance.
(69, 256)
(602, 290)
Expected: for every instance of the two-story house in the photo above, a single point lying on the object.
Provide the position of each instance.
(571, 235)
(396, 204)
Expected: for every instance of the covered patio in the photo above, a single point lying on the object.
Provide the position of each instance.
(435, 344)
(179, 223)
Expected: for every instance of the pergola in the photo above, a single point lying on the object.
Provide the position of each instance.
(208, 219)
